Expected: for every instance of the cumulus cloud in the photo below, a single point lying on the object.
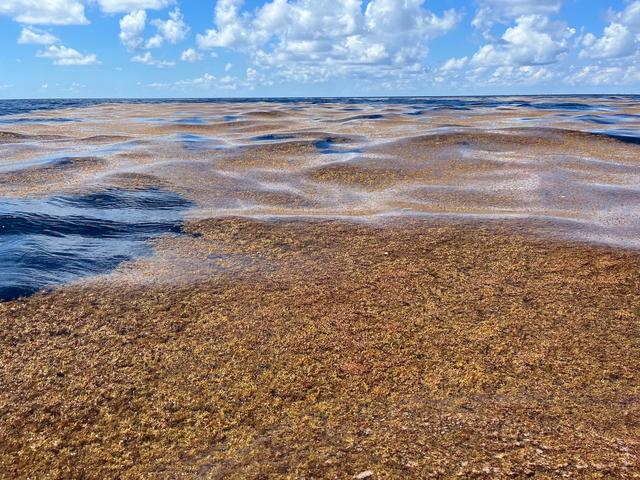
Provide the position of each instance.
(233, 30)
(35, 37)
(526, 75)
(322, 38)
(534, 40)
(617, 41)
(154, 42)
(45, 12)
(517, 8)
(190, 55)
(174, 29)
(209, 82)
(62, 55)
(148, 59)
(454, 64)
(503, 75)
(206, 81)
(124, 6)
(603, 75)
(522, 55)
(490, 12)
(620, 37)
(381, 42)
(132, 29)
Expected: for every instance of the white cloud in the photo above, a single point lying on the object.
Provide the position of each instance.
(588, 40)
(500, 76)
(599, 75)
(534, 40)
(132, 28)
(190, 55)
(522, 55)
(491, 12)
(228, 67)
(630, 16)
(154, 42)
(206, 81)
(174, 29)
(617, 41)
(209, 82)
(45, 12)
(454, 64)
(123, 6)
(315, 39)
(252, 74)
(148, 59)
(620, 38)
(62, 55)
(234, 31)
(527, 75)
(31, 36)
(517, 8)
(229, 83)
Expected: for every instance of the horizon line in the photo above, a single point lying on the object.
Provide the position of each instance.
(327, 97)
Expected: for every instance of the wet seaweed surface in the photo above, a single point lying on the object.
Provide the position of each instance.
(357, 291)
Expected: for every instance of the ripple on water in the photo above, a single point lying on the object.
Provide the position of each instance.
(273, 137)
(190, 121)
(329, 146)
(198, 143)
(44, 242)
(623, 135)
(36, 120)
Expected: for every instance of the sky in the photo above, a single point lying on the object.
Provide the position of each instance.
(275, 48)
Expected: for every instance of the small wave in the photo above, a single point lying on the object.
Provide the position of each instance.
(62, 238)
(622, 135)
(332, 146)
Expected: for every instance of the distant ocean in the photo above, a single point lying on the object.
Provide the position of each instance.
(66, 212)
(548, 102)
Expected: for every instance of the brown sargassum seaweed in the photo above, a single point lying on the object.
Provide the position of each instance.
(411, 350)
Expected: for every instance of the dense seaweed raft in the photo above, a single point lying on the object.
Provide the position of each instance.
(320, 288)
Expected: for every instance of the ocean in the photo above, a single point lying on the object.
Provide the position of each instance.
(86, 185)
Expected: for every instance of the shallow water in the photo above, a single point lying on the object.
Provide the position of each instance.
(570, 161)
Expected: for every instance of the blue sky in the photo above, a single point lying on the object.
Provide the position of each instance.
(235, 48)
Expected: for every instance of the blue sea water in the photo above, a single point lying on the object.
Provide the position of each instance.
(58, 239)
(575, 103)
(49, 241)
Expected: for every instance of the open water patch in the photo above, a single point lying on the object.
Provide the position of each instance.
(44, 242)
(273, 137)
(190, 121)
(623, 135)
(372, 116)
(199, 143)
(329, 146)
(36, 120)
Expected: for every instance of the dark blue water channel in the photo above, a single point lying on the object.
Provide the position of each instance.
(44, 242)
